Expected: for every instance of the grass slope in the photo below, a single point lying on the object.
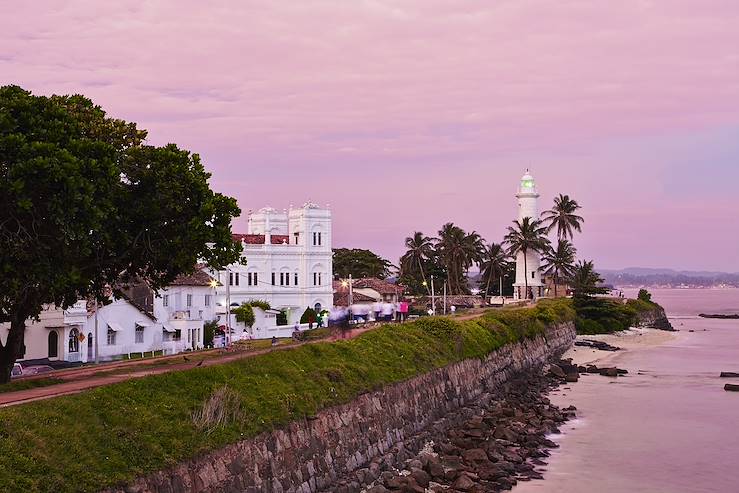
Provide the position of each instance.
(112, 434)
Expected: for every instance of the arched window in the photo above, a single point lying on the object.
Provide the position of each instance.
(317, 308)
(53, 344)
(74, 341)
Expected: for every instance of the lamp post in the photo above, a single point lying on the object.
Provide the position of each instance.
(433, 299)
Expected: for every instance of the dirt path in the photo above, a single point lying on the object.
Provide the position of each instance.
(80, 379)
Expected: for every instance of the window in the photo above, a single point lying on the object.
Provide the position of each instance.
(207, 300)
(319, 238)
(282, 278)
(248, 279)
(296, 279)
(165, 300)
(233, 278)
(139, 335)
(316, 278)
(297, 235)
(256, 278)
(273, 279)
(533, 274)
(315, 239)
(111, 337)
(236, 278)
(189, 300)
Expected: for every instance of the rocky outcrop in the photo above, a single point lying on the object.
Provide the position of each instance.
(312, 454)
(655, 319)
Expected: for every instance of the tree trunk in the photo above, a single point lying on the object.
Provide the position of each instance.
(487, 287)
(555, 283)
(9, 353)
(525, 276)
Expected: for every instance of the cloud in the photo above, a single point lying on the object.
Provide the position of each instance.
(396, 102)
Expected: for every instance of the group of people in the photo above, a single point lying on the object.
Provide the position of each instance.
(377, 312)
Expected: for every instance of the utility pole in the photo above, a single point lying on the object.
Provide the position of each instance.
(444, 298)
(350, 299)
(228, 310)
(97, 356)
(433, 299)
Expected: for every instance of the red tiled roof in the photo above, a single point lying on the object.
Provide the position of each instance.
(250, 239)
(259, 239)
(342, 298)
(382, 287)
(197, 278)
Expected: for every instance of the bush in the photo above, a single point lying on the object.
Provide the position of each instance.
(244, 314)
(209, 332)
(263, 305)
(644, 295)
(309, 316)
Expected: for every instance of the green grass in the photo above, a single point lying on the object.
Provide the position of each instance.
(110, 435)
(28, 384)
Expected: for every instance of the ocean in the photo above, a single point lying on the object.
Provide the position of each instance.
(667, 427)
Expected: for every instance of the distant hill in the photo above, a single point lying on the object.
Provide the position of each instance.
(642, 276)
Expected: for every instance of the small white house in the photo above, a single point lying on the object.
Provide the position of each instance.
(183, 308)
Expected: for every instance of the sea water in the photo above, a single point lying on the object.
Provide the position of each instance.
(667, 427)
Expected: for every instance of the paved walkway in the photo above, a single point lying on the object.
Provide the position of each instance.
(80, 379)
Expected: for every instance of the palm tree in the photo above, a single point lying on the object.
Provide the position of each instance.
(562, 217)
(585, 281)
(495, 261)
(420, 250)
(525, 236)
(560, 261)
(458, 252)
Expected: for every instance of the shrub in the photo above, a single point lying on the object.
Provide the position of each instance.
(263, 305)
(644, 295)
(244, 314)
(209, 332)
(309, 316)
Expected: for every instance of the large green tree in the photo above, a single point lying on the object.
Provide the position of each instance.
(360, 263)
(559, 262)
(494, 264)
(86, 204)
(419, 251)
(458, 251)
(562, 217)
(526, 236)
(586, 282)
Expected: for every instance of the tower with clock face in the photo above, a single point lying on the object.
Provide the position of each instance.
(528, 272)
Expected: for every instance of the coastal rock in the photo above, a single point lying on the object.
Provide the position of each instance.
(730, 387)
(729, 374)
(557, 371)
(609, 372)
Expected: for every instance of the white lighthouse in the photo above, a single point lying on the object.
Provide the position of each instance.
(527, 272)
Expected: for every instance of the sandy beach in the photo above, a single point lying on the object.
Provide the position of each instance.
(635, 338)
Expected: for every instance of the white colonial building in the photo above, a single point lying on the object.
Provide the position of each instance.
(528, 271)
(136, 323)
(287, 262)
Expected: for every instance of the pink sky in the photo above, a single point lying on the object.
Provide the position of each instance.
(405, 115)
